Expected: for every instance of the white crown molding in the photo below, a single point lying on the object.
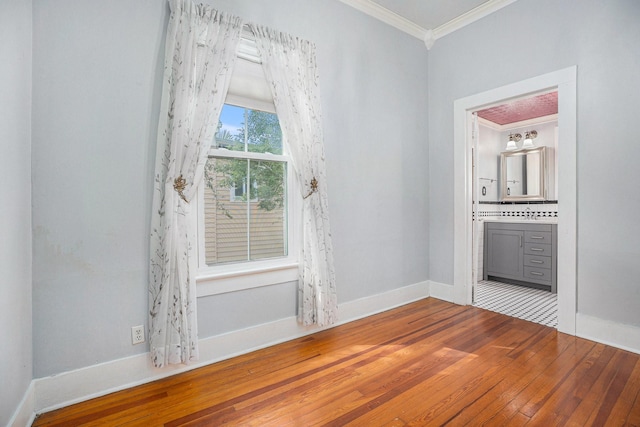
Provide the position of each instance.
(524, 123)
(489, 124)
(470, 17)
(429, 39)
(388, 17)
(531, 122)
(429, 36)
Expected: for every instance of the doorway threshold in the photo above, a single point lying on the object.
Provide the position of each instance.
(530, 304)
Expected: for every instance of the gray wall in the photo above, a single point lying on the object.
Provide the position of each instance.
(15, 204)
(96, 91)
(530, 38)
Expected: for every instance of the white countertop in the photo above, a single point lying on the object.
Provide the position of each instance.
(542, 220)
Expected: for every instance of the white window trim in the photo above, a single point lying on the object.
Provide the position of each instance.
(252, 275)
(233, 277)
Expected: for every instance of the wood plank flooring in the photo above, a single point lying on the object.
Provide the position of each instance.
(426, 363)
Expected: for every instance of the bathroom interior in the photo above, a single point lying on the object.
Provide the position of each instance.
(515, 208)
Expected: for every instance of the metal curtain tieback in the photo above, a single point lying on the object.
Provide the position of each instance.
(314, 187)
(179, 184)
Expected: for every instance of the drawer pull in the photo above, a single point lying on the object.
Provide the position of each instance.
(535, 273)
(537, 237)
(535, 261)
(537, 249)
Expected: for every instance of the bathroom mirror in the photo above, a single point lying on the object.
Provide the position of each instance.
(523, 175)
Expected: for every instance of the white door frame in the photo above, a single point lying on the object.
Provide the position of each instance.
(565, 82)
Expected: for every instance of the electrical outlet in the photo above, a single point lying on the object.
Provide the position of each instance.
(137, 334)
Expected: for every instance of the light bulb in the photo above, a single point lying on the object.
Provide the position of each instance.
(511, 145)
(528, 139)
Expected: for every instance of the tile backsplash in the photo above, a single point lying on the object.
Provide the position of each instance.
(539, 210)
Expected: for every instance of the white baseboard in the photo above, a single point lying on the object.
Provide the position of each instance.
(441, 291)
(25, 414)
(86, 383)
(626, 337)
(363, 307)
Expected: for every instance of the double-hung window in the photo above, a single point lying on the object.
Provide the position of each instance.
(247, 221)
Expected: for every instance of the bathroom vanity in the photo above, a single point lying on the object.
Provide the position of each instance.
(522, 252)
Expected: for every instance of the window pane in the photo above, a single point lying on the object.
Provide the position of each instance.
(242, 129)
(267, 235)
(263, 132)
(244, 210)
(230, 133)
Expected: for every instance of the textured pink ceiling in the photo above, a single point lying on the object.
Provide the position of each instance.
(522, 109)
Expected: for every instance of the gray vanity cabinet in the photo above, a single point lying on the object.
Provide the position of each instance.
(504, 254)
(521, 253)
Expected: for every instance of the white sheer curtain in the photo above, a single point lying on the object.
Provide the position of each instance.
(290, 68)
(199, 55)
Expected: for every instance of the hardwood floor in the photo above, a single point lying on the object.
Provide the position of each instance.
(426, 363)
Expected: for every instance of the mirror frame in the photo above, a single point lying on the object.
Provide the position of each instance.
(543, 175)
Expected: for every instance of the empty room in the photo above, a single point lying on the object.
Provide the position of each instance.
(319, 212)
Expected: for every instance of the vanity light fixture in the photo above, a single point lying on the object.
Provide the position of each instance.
(529, 136)
(511, 144)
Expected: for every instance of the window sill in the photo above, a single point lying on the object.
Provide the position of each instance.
(236, 277)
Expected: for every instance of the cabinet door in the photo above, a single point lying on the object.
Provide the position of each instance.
(505, 253)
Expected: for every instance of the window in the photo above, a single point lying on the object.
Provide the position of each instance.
(246, 221)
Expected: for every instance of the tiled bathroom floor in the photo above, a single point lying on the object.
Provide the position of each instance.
(524, 303)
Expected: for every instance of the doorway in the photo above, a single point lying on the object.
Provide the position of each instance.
(514, 175)
(564, 81)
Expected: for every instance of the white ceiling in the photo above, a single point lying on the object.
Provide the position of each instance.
(428, 20)
(430, 14)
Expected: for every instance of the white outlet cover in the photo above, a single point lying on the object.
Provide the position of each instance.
(137, 334)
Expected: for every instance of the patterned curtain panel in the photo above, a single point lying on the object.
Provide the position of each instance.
(199, 57)
(291, 70)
